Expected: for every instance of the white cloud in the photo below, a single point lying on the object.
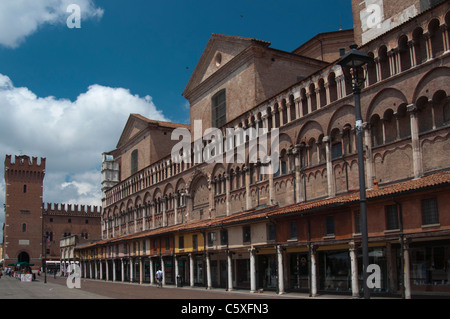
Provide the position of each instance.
(21, 18)
(70, 135)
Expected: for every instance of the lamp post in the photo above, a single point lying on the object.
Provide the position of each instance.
(352, 64)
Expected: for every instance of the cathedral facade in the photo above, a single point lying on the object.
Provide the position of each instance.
(230, 224)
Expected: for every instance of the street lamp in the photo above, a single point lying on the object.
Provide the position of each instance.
(352, 64)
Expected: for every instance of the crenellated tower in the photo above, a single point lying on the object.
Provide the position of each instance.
(22, 235)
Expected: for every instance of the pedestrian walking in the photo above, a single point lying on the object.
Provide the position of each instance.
(159, 277)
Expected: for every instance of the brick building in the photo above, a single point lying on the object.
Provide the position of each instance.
(29, 223)
(61, 221)
(22, 230)
(298, 229)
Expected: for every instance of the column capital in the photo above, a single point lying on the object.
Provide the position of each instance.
(411, 108)
(326, 139)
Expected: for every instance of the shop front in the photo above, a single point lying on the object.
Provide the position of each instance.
(377, 256)
(219, 275)
(430, 267)
(169, 270)
(334, 269)
(183, 269)
(266, 269)
(298, 270)
(199, 269)
(241, 270)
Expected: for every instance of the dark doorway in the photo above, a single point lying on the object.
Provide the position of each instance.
(23, 257)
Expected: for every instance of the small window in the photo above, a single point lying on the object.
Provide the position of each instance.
(271, 232)
(218, 109)
(342, 51)
(181, 242)
(224, 237)
(357, 222)
(211, 239)
(391, 217)
(246, 235)
(293, 230)
(134, 162)
(195, 242)
(24, 189)
(329, 226)
(430, 212)
(24, 228)
(167, 243)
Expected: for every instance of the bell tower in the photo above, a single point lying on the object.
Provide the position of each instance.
(22, 234)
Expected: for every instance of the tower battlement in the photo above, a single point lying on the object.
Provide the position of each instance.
(72, 210)
(24, 162)
(24, 168)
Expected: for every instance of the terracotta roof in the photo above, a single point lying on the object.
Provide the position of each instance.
(161, 123)
(439, 179)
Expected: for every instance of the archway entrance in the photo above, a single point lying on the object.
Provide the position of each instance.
(23, 257)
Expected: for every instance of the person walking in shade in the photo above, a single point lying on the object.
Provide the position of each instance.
(159, 277)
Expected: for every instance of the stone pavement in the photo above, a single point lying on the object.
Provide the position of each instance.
(56, 288)
(12, 288)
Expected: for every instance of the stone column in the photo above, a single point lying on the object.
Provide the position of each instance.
(131, 269)
(412, 53)
(330, 175)
(152, 275)
(369, 157)
(177, 270)
(227, 194)
(163, 269)
(406, 271)
(208, 272)
(122, 270)
(445, 42)
(313, 256)
(298, 178)
(248, 197)
(354, 268)
(297, 103)
(417, 156)
(280, 270)
(114, 269)
(141, 271)
(230, 271)
(252, 270)
(191, 270)
(175, 208)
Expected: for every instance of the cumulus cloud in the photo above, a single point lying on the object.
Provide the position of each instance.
(71, 135)
(19, 19)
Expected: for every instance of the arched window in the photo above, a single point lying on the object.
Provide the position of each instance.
(219, 109)
(134, 162)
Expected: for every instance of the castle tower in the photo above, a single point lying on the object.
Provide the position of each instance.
(22, 235)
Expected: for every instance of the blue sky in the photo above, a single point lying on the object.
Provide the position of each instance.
(152, 47)
(65, 94)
